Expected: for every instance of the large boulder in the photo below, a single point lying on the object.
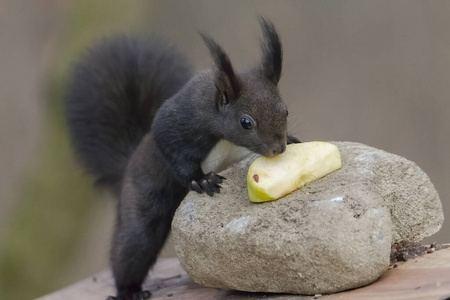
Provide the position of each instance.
(332, 235)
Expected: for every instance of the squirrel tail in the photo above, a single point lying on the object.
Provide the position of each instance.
(112, 96)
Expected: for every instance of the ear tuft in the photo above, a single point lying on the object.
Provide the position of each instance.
(226, 80)
(272, 52)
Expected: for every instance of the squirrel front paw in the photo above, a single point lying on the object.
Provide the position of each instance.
(209, 183)
(292, 140)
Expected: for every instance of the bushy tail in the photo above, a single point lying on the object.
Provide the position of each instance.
(113, 95)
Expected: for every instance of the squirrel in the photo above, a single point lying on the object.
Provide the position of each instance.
(142, 123)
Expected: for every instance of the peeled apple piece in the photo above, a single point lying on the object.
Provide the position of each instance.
(272, 178)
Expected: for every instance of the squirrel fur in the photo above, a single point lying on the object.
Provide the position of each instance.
(143, 123)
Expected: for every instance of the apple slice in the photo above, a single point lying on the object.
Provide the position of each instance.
(272, 178)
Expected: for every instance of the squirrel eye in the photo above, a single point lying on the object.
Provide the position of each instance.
(246, 123)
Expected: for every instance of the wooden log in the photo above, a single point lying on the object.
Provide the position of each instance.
(422, 278)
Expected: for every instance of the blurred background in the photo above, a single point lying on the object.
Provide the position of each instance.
(374, 72)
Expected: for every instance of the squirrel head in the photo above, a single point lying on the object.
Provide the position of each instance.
(251, 108)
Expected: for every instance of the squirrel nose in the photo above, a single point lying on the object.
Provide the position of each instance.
(278, 148)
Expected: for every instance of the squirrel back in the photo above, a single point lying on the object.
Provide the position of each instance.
(113, 95)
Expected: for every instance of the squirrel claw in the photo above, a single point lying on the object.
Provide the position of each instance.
(136, 296)
(196, 187)
(210, 184)
(292, 140)
(220, 177)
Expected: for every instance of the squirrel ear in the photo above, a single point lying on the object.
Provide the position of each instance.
(272, 52)
(226, 81)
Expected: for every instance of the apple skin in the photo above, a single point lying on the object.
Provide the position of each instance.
(269, 179)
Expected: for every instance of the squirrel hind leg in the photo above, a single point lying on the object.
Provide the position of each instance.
(133, 253)
(139, 235)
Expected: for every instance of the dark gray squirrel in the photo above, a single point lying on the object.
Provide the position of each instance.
(142, 124)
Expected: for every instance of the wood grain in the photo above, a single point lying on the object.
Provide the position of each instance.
(423, 278)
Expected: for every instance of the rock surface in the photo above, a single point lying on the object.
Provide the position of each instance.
(332, 235)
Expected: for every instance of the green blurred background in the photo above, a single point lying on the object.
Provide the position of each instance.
(374, 72)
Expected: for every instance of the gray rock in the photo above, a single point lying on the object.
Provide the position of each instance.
(332, 235)
(414, 204)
